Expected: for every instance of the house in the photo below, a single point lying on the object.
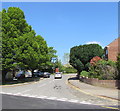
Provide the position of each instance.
(112, 50)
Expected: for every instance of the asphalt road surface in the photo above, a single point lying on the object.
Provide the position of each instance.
(48, 93)
(17, 102)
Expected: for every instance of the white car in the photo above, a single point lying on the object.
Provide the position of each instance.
(58, 75)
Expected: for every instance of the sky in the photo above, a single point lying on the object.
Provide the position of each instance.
(67, 24)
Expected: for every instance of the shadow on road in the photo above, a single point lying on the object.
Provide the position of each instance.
(73, 78)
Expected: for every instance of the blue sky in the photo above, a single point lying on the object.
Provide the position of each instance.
(67, 24)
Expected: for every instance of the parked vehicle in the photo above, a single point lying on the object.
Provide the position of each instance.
(28, 73)
(9, 75)
(38, 74)
(58, 75)
(46, 74)
(20, 75)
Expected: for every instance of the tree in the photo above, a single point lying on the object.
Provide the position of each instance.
(49, 64)
(31, 51)
(81, 55)
(66, 58)
(59, 65)
(22, 49)
(13, 26)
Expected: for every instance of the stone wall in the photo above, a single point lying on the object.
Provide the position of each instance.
(102, 83)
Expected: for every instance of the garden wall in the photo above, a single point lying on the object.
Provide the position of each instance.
(102, 83)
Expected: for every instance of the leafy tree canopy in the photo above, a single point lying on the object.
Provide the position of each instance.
(81, 55)
(21, 47)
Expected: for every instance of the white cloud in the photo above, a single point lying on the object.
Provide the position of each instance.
(93, 42)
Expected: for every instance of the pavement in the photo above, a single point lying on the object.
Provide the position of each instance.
(101, 92)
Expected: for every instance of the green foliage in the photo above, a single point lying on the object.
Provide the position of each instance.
(59, 65)
(0, 41)
(48, 65)
(70, 70)
(64, 69)
(105, 70)
(109, 62)
(80, 56)
(87, 66)
(118, 66)
(31, 51)
(21, 48)
(85, 74)
(13, 26)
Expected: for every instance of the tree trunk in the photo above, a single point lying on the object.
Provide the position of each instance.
(13, 73)
(32, 72)
(3, 74)
(78, 74)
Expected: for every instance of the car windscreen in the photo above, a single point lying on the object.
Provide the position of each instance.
(58, 73)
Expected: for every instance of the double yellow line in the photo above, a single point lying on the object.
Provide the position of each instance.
(73, 86)
(109, 107)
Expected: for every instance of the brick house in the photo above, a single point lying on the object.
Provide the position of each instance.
(112, 50)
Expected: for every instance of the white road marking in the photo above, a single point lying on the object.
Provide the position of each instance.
(1, 92)
(27, 95)
(64, 98)
(84, 102)
(17, 94)
(61, 99)
(42, 97)
(72, 100)
(7, 93)
(33, 96)
(52, 98)
(45, 97)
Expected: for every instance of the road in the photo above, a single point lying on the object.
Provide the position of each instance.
(48, 93)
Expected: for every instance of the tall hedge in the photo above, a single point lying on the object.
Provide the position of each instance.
(81, 55)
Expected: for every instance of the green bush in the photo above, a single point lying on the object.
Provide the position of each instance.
(85, 74)
(105, 70)
(118, 66)
(109, 62)
(70, 70)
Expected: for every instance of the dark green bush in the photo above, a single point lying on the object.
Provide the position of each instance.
(118, 66)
